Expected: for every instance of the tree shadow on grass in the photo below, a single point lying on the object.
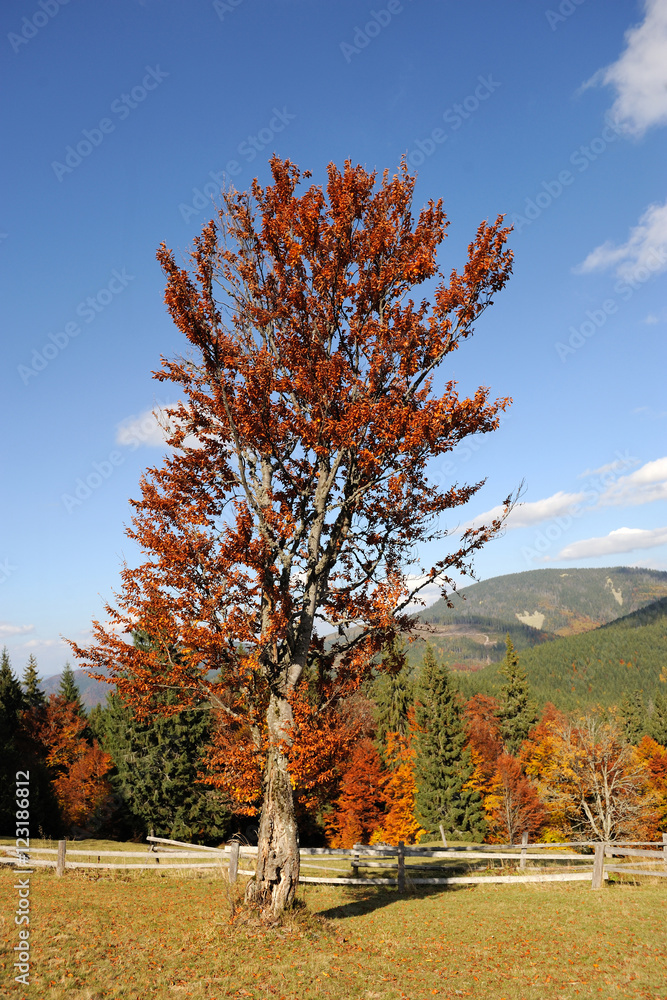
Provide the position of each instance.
(359, 900)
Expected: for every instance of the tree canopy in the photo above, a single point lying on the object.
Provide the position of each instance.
(296, 489)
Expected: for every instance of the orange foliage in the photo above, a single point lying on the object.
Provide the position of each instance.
(360, 805)
(307, 383)
(654, 757)
(399, 788)
(80, 768)
(513, 804)
(483, 729)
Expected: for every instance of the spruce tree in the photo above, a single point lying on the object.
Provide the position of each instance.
(68, 689)
(156, 763)
(11, 705)
(634, 717)
(393, 694)
(443, 764)
(657, 726)
(33, 694)
(517, 712)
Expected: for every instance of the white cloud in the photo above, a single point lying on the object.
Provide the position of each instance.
(626, 462)
(148, 428)
(638, 75)
(152, 428)
(644, 485)
(43, 643)
(620, 540)
(643, 253)
(527, 514)
(6, 628)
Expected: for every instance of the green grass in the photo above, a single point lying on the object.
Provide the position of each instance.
(137, 936)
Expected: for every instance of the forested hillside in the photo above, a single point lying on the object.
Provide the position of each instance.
(553, 600)
(597, 668)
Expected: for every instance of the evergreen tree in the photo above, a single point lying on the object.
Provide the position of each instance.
(443, 764)
(68, 689)
(634, 717)
(517, 712)
(11, 704)
(657, 726)
(34, 696)
(393, 694)
(11, 694)
(156, 763)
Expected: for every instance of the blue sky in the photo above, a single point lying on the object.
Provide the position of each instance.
(121, 120)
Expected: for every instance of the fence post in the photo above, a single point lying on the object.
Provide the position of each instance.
(401, 866)
(355, 863)
(233, 861)
(664, 847)
(442, 834)
(524, 845)
(60, 861)
(598, 867)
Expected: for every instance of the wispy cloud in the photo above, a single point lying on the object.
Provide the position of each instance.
(6, 628)
(148, 428)
(620, 540)
(638, 75)
(620, 463)
(646, 246)
(528, 514)
(644, 485)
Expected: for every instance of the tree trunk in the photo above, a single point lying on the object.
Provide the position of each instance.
(277, 877)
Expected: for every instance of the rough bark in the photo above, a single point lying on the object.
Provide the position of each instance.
(277, 877)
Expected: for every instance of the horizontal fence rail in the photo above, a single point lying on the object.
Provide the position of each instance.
(162, 854)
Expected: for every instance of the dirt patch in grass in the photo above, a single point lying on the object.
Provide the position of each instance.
(129, 936)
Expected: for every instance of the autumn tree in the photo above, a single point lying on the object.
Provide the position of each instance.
(595, 781)
(512, 805)
(295, 491)
(399, 787)
(360, 806)
(482, 727)
(79, 767)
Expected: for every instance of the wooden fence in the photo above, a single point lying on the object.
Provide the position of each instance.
(414, 865)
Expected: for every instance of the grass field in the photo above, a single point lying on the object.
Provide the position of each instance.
(99, 935)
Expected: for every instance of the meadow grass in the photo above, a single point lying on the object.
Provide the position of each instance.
(99, 935)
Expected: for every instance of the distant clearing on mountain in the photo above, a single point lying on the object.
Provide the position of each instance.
(534, 607)
(597, 668)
